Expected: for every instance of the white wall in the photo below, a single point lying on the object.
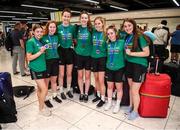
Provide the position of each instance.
(172, 22)
(151, 17)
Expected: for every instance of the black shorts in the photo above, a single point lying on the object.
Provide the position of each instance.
(159, 50)
(52, 67)
(115, 76)
(175, 48)
(135, 71)
(98, 64)
(83, 62)
(38, 75)
(66, 56)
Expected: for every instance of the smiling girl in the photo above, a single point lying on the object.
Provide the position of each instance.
(65, 33)
(98, 64)
(114, 67)
(137, 50)
(83, 51)
(37, 64)
(50, 40)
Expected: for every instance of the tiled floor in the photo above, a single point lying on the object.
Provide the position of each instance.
(73, 115)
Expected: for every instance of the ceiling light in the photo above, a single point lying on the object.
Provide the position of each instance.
(14, 12)
(3, 16)
(39, 7)
(44, 20)
(74, 11)
(176, 2)
(36, 18)
(9, 21)
(116, 7)
(20, 19)
(91, 1)
(33, 22)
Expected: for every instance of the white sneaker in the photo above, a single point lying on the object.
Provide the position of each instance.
(116, 109)
(107, 106)
(45, 112)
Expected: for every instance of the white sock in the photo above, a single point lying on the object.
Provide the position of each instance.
(98, 94)
(109, 100)
(118, 102)
(68, 87)
(103, 97)
(54, 94)
(61, 89)
(47, 98)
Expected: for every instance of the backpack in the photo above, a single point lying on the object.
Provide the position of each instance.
(7, 104)
(21, 91)
(8, 42)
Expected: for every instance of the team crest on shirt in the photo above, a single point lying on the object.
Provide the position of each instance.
(47, 40)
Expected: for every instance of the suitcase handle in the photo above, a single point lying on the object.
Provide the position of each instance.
(156, 66)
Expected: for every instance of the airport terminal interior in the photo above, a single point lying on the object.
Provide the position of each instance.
(72, 114)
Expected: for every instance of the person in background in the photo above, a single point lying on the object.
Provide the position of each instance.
(162, 38)
(83, 51)
(114, 67)
(66, 34)
(51, 41)
(18, 50)
(24, 33)
(175, 45)
(2, 38)
(137, 50)
(98, 57)
(37, 64)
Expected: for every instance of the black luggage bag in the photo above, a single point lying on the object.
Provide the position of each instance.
(173, 70)
(7, 104)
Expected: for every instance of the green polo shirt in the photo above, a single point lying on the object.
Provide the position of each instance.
(115, 55)
(99, 45)
(84, 43)
(66, 35)
(52, 41)
(138, 60)
(38, 64)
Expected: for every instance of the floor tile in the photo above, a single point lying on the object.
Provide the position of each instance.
(27, 114)
(10, 126)
(47, 123)
(125, 126)
(74, 128)
(98, 121)
(148, 123)
(174, 118)
(72, 112)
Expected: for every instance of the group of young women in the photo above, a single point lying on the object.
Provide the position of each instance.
(97, 50)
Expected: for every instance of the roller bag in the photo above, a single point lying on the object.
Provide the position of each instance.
(173, 70)
(7, 105)
(155, 95)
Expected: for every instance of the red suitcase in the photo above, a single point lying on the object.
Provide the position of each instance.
(155, 95)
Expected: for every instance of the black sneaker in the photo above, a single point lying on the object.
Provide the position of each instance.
(48, 104)
(81, 97)
(63, 96)
(16, 73)
(57, 99)
(96, 99)
(100, 104)
(85, 98)
(69, 94)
